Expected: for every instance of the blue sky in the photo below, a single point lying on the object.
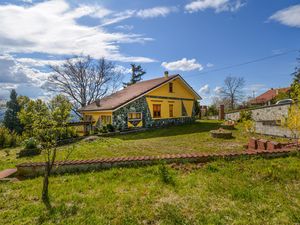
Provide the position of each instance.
(190, 37)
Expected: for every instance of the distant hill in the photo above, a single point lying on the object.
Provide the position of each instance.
(2, 111)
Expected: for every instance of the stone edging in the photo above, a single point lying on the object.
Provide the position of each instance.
(37, 168)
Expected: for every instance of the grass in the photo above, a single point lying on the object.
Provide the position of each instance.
(253, 191)
(190, 138)
(257, 191)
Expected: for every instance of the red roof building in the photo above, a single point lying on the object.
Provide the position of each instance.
(268, 96)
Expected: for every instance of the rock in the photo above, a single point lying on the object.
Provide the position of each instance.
(91, 138)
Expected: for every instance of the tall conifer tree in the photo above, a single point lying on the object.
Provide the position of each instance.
(11, 120)
(136, 75)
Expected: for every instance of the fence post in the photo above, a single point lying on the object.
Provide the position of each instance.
(221, 112)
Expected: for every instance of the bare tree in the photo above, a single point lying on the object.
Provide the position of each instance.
(218, 100)
(84, 79)
(233, 89)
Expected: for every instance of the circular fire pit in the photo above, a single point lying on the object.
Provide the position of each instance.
(221, 133)
(228, 125)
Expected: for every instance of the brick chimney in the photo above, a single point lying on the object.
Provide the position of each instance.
(166, 74)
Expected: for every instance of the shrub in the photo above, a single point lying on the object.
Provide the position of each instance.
(3, 135)
(103, 129)
(30, 148)
(245, 115)
(30, 143)
(29, 152)
(8, 139)
(249, 126)
(110, 128)
(67, 133)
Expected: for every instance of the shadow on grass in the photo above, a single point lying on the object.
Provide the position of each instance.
(197, 127)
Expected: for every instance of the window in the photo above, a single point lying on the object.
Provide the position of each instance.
(105, 120)
(156, 110)
(88, 118)
(171, 87)
(171, 114)
(134, 116)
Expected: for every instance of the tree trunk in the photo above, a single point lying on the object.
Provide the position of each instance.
(45, 194)
(232, 103)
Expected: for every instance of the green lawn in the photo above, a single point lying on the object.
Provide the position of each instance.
(190, 138)
(255, 191)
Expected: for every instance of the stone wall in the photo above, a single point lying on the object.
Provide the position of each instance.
(266, 113)
(274, 130)
(266, 119)
(215, 117)
(235, 116)
(120, 118)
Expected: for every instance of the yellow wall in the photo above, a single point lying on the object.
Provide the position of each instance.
(179, 90)
(96, 115)
(165, 107)
(139, 124)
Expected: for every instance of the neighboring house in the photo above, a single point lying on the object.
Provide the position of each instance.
(152, 103)
(267, 97)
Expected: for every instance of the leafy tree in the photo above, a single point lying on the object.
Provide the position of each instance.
(212, 110)
(83, 79)
(47, 123)
(281, 95)
(11, 120)
(292, 121)
(197, 108)
(136, 75)
(295, 86)
(233, 89)
(27, 115)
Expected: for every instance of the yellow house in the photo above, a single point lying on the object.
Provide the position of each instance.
(152, 103)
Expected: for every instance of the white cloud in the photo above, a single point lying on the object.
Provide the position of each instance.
(16, 75)
(34, 62)
(289, 16)
(26, 1)
(118, 17)
(155, 12)
(218, 90)
(217, 5)
(35, 29)
(183, 65)
(124, 27)
(122, 70)
(209, 65)
(204, 89)
(160, 11)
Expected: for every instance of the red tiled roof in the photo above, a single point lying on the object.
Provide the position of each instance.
(268, 95)
(127, 94)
